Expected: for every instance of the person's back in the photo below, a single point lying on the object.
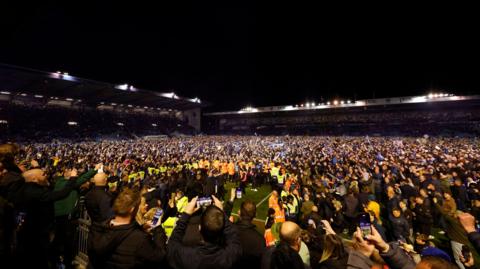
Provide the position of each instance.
(98, 201)
(252, 242)
(221, 247)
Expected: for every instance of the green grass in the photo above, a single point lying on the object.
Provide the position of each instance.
(255, 197)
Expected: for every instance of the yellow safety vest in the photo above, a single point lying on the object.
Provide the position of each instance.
(169, 224)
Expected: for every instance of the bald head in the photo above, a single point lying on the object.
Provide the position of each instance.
(100, 179)
(290, 233)
(35, 176)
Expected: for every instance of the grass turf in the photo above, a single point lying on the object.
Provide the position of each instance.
(254, 196)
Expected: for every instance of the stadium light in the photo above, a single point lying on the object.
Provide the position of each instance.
(38, 96)
(122, 87)
(342, 102)
(430, 95)
(348, 101)
(335, 102)
(130, 106)
(154, 125)
(120, 124)
(113, 104)
(3, 122)
(5, 92)
(72, 123)
(69, 99)
(328, 103)
(23, 94)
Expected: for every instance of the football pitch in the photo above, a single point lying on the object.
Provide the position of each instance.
(259, 197)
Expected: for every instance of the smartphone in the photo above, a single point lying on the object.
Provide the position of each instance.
(204, 201)
(157, 216)
(365, 224)
(239, 193)
(466, 253)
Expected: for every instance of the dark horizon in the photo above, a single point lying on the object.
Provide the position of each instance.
(234, 57)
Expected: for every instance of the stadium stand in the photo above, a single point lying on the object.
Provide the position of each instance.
(36, 104)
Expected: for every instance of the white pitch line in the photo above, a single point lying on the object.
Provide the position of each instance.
(264, 199)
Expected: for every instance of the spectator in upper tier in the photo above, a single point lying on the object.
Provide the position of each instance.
(122, 243)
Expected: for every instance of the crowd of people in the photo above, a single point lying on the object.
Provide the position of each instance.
(336, 202)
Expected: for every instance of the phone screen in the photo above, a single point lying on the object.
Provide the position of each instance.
(157, 216)
(239, 193)
(204, 201)
(365, 225)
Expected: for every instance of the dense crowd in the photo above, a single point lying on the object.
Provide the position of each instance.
(146, 202)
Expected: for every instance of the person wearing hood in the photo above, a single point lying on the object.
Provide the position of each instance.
(122, 243)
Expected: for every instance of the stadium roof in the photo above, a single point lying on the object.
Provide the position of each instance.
(339, 104)
(26, 81)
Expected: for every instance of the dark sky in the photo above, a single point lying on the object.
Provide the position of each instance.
(250, 55)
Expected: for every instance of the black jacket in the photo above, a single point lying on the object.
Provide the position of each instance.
(207, 255)
(253, 245)
(99, 204)
(401, 228)
(423, 214)
(396, 258)
(474, 238)
(125, 246)
(37, 203)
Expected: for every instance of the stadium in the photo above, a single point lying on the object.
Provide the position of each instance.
(235, 140)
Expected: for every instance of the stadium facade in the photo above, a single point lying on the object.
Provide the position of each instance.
(436, 114)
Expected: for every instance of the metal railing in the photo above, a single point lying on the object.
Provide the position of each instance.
(83, 228)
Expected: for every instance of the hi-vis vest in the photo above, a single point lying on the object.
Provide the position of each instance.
(169, 224)
(274, 171)
(280, 179)
(279, 213)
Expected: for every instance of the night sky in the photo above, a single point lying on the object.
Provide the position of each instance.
(250, 55)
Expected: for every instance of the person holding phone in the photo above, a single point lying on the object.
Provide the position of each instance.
(122, 243)
(221, 248)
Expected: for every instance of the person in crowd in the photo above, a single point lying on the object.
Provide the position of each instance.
(121, 243)
(221, 247)
(423, 215)
(401, 228)
(98, 201)
(34, 206)
(286, 253)
(64, 216)
(252, 242)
